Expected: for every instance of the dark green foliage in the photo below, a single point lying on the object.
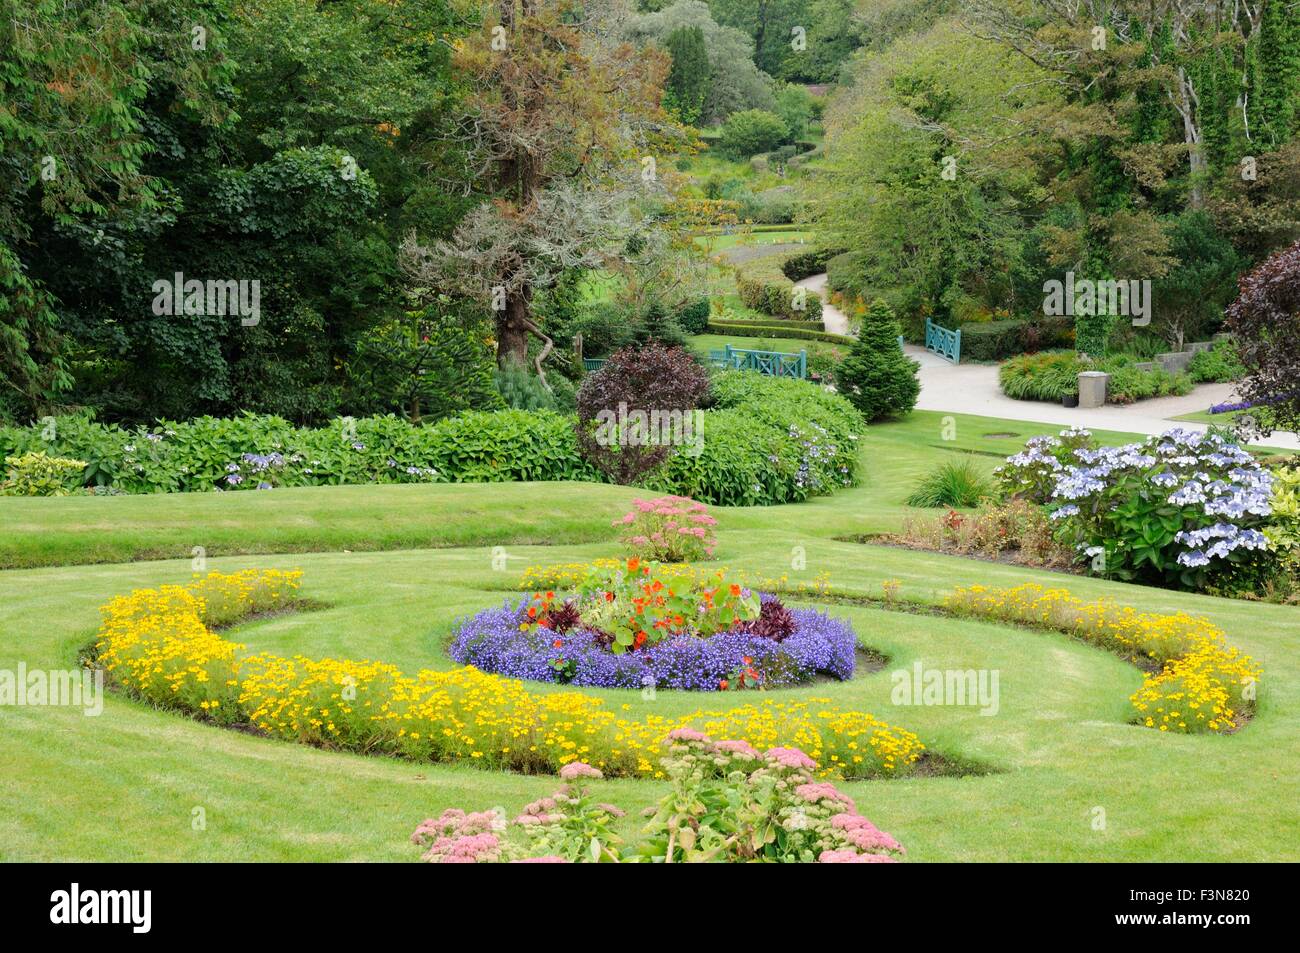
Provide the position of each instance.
(995, 340)
(688, 82)
(877, 377)
(423, 367)
(1277, 89)
(955, 483)
(694, 317)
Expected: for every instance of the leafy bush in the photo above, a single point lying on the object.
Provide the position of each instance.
(671, 529)
(521, 389)
(1180, 508)
(1052, 375)
(806, 264)
(955, 483)
(763, 286)
(767, 440)
(694, 317)
(628, 407)
(1265, 323)
(995, 340)
(751, 131)
(877, 377)
(1219, 365)
(39, 474)
(1047, 376)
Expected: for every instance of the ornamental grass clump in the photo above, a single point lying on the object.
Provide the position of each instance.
(670, 529)
(1195, 681)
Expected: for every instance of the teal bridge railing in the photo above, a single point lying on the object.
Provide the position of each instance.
(771, 363)
(943, 342)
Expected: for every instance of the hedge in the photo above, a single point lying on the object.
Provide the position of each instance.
(760, 446)
(737, 329)
(766, 321)
(809, 263)
(995, 340)
(764, 287)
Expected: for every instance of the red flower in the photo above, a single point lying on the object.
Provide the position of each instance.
(723, 684)
(532, 612)
(609, 597)
(735, 589)
(557, 644)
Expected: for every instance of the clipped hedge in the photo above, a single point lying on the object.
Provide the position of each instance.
(763, 286)
(809, 263)
(753, 449)
(480, 446)
(791, 330)
(766, 321)
(996, 340)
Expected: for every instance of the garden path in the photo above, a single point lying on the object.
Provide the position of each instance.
(973, 389)
(836, 321)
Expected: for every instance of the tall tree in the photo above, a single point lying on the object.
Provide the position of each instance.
(688, 81)
(562, 128)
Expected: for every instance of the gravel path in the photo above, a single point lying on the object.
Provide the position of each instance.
(837, 322)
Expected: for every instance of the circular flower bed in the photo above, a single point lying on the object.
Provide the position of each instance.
(501, 641)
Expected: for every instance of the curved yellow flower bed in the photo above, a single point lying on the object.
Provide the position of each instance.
(1201, 683)
(157, 644)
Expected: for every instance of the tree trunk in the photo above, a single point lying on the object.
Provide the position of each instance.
(512, 331)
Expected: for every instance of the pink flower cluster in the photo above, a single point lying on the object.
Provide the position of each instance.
(791, 758)
(456, 837)
(669, 529)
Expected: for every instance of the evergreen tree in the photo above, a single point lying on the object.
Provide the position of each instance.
(877, 377)
(1278, 74)
(688, 81)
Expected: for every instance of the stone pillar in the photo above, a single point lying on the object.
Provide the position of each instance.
(1092, 388)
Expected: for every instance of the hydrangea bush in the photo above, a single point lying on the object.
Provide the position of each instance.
(1182, 508)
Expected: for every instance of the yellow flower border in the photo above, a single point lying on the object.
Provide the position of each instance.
(1200, 682)
(158, 645)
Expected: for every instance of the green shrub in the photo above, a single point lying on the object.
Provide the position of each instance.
(694, 317)
(522, 389)
(39, 474)
(808, 263)
(751, 131)
(752, 451)
(996, 340)
(955, 484)
(1219, 365)
(767, 440)
(763, 286)
(791, 331)
(877, 377)
(1051, 375)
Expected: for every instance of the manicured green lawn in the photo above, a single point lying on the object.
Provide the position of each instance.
(125, 785)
